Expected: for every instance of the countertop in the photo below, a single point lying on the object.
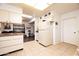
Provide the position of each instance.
(10, 34)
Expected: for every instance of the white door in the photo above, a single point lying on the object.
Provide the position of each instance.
(70, 30)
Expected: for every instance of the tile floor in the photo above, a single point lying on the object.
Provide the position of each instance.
(32, 48)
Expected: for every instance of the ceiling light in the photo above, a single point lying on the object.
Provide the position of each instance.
(39, 4)
(27, 16)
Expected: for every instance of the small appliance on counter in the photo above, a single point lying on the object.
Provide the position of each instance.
(7, 28)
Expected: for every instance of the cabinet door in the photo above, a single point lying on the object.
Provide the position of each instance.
(15, 18)
(4, 16)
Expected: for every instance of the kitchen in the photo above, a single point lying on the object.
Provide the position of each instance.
(12, 28)
(51, 31)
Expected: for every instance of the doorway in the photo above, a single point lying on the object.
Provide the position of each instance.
(29, 32)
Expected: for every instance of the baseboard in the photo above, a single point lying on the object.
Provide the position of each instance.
(11, 52)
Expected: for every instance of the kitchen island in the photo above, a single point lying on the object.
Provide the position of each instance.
(10, 42)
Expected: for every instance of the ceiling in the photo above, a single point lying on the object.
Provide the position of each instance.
(27, 9)
(39, 4)
(60, 8)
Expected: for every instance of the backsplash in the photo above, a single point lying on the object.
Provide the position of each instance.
(11, 28)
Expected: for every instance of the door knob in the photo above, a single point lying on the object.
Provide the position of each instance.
(74, 32)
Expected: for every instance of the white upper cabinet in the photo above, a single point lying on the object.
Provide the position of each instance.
(4, 16)
(10, 14)
(15, 18)
(11, 8)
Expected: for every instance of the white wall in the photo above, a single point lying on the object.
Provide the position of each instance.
(74, 15)
(56, 28)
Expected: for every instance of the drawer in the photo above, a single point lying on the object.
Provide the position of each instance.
(18, 37)
(11, 38)
(5, 38)
(10, 42)
(10, 49)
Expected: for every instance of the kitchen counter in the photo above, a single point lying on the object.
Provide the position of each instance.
(10, 42)
(10, 34)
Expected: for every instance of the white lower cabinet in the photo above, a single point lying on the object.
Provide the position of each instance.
(10, 48)
(11, 43)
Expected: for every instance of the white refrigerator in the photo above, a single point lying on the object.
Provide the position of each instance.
(45, 33)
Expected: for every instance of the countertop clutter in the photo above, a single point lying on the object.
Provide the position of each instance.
(10, 34)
